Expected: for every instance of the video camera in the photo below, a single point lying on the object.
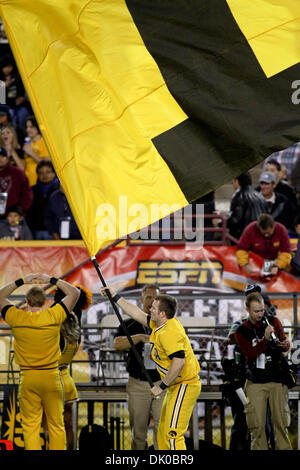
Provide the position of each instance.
(252, 288)
(269, 312)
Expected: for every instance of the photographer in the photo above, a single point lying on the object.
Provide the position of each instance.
(262, 341)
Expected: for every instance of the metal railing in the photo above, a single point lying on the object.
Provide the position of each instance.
(97, 343)
(168, 235)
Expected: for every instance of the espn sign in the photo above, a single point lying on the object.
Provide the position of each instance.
(180, 273)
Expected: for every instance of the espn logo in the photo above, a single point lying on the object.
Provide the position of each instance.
(6, 445)
(180, 273)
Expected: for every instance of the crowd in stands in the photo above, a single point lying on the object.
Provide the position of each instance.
(32, 203)
(34, 206)
(264, 219)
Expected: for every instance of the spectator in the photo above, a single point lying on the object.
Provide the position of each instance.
(281, 186)
(246, 205)
(14, 187)
(16, 97)
(47, 183)
(263, 343)
(11, 144)
(35, 150)
(278, 205)
(287, 158)
(295, 263)
(5, 115)
(3, 37)
(295, 231)
(14, 226)
(268, 239)
(6, 120)
(59, 220)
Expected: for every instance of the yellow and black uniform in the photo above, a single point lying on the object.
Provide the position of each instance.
(68, 351)
(37, 351)
(169, 341)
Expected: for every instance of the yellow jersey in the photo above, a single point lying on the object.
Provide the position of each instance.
(40, 149)
(36, 335)
(68, 352)
(168, 339)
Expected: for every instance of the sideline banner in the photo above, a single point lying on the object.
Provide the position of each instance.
(18, 260)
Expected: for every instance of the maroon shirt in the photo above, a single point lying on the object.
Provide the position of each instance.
(267, 248)
(14, 182)
(245, 343)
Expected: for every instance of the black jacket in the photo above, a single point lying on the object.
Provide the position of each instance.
(288, 191)
(57, 210)
(133, 367)
(283, 210)
(36, 214)
(246, 205)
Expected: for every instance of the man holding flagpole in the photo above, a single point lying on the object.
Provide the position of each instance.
(176, 363)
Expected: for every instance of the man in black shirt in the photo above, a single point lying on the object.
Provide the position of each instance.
(278, 205)
(141, 402)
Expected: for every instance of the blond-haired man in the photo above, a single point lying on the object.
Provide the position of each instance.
(36, 343)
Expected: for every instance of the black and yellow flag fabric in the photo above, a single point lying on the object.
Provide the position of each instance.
(155, 102)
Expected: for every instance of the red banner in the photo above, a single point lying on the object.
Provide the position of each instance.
(185, 269)
(17, 260)
(211, 268)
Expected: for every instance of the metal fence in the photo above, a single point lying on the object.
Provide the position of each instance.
(225, 309)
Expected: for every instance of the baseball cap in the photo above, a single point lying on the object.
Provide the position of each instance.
(267, 177)
(3, 151)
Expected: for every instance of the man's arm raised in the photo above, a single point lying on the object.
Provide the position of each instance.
(130, 309)
(72, 293)
(9, 288)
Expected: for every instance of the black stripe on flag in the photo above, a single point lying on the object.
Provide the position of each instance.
(236, 115)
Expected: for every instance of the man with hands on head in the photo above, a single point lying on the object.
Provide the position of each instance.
(36, 342)
(176, 363)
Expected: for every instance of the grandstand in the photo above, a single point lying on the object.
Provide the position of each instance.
(208, 284)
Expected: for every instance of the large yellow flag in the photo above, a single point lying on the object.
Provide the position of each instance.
(99, 98)
(145, 103)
